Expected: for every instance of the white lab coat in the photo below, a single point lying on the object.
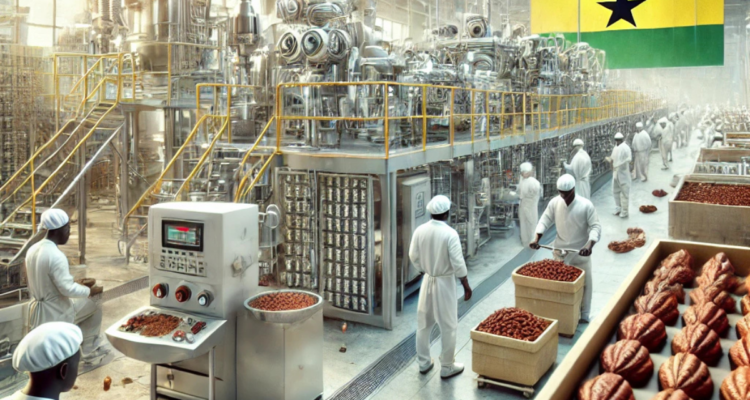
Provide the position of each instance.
(580, 168)
(665, 136)
(436, 250)
(621, 157)
(20, 396)
(642, 150)
(681, 129)
(576, 224)
(529, 192)
(51, 286)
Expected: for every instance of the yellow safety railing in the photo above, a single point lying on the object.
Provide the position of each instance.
(487, 114)
(244, 179)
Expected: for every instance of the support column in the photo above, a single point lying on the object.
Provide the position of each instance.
(124, 181)
(83, 186)
(471, 244)
(389, 229)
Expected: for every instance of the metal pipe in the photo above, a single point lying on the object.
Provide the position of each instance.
(212, 374)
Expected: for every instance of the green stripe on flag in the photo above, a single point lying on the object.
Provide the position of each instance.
(691, 46)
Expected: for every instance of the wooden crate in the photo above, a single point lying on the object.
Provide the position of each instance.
(577, 366)
(709, 223)
(560, 301)
(512, 360)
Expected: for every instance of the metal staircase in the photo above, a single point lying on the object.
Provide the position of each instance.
(51, 175)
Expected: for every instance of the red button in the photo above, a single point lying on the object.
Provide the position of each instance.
(182, 294)
(160, 290)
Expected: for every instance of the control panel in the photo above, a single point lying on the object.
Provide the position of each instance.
(203, 256)
(183, 262)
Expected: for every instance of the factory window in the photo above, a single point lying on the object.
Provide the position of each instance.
(392, 30)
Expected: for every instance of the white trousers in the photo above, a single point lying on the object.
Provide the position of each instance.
(583, 263)
(666, 151)
(437, 303)
(89, 319)
(621, 193)
(641, 165)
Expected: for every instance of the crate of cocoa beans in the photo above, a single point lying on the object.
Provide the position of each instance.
(551, 289)
(514, 345)
(712, 209)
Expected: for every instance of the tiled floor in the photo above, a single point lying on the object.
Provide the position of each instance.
(366, 344)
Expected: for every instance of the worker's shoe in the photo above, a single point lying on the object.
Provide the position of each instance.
(616, 213)
(623, 215)
(428, 368)
(449, 371)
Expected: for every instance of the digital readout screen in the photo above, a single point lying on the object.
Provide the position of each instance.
(182, 235)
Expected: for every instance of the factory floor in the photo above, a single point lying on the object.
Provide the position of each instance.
(368, 348)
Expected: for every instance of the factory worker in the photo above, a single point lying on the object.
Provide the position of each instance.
(718, 140)
(681, 127)
(620, 159)
(50, 354)
(664, 134)
(641, 150)
(55, 296)
(529, 192)
(436, 251)
(580, 168)
(578, 227)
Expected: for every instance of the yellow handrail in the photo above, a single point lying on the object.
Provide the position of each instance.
(260, 174)
(85, 75)
(202, 160)
(44, 184)
(247, 155)
(159, 180)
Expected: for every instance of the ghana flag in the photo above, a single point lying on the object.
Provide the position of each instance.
(640, 33)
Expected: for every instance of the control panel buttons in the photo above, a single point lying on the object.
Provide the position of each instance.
(160, 290)
(205, 298)
(182, 294)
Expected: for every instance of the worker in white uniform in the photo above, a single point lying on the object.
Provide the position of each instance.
(50, 355)
(620, 160)
(529, 192)
(642, 151)
(436, 250)
(664, 133)
(681, 129)
(55, 296)
(580, 168)
(578, 227)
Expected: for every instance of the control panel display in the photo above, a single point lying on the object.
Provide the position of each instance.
(182, 235)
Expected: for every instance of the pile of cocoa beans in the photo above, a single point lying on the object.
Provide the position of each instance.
(283, 301)
(715, 193)
(514, 323)
(647, 209)
(659, 193)
(551, 270)
(636, 238)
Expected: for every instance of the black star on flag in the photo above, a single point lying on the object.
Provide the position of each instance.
(621, 9)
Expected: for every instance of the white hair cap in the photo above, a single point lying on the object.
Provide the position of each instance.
(439, 205)
(619, 136)
(663, 119)
(46, 346)
(578, 142)
(566, 183)
(54, 218)
(639, 125)
(526, 167)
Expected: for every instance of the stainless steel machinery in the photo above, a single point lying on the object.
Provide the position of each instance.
(414, 194)
(203, 261)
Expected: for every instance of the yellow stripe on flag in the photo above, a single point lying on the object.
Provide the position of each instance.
(549, 16)
(554, 16)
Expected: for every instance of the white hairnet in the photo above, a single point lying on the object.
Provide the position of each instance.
(54, 218)
(46, 346)
(619, 136)
(566, 183)
(526, 167)
(663, 119)
(578, 142)
(639, 125)
(439, 205)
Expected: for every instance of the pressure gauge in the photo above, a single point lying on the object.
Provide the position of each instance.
(182, 294)
(204, 298)
(160, 290)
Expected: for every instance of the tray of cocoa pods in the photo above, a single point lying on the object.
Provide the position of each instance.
(157, 335)
(677, 328)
